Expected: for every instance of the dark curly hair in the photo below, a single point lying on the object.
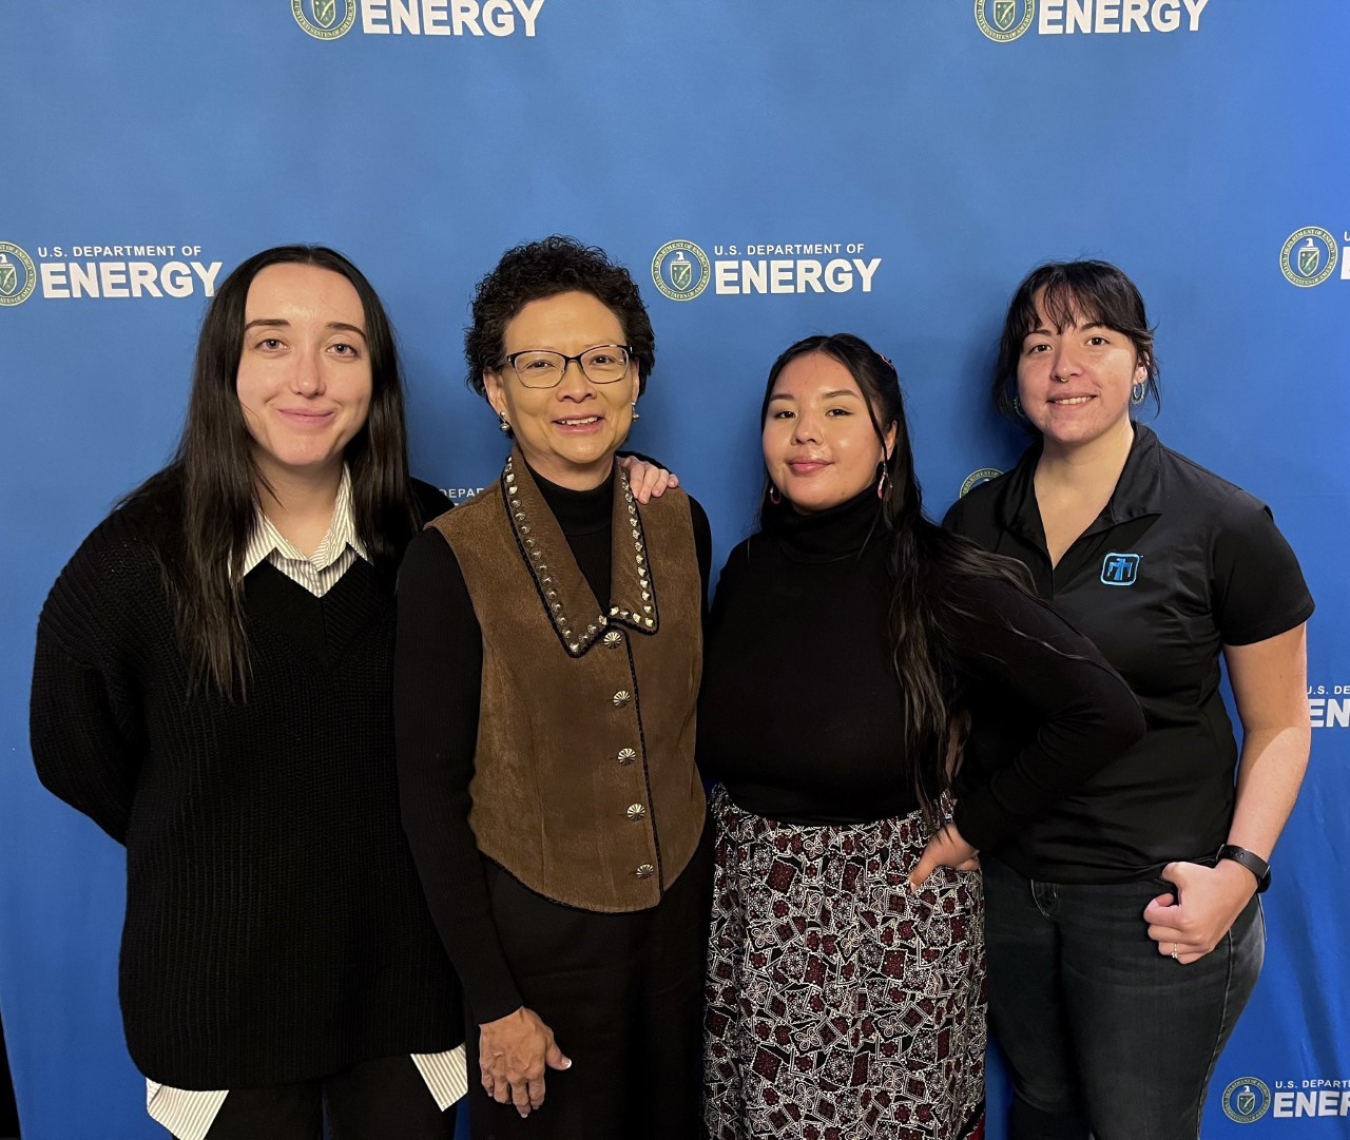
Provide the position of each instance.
(546, 268)
(1094, 291)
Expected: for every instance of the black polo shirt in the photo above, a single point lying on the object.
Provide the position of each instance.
(1178, 564)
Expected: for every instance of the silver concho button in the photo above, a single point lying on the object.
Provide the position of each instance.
(636, 812)
(627, 755)
(646, 871)
(621, 698)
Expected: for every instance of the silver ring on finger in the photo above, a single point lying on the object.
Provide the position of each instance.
(1174, 953)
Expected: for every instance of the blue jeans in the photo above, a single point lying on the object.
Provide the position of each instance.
(1105, 1036)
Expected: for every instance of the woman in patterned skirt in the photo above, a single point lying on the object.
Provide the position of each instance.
(850, 642)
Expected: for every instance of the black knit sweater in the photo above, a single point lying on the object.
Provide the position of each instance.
(275, 927)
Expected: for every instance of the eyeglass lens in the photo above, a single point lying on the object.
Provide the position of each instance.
(543, 368)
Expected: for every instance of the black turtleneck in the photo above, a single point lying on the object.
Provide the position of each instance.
(438, 670)
(800, 713)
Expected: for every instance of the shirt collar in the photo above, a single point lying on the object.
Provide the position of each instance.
(1138, 491)
(341, 533)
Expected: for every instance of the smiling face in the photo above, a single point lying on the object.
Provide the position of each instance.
(304, 379)
(820, 448)
(569, 433)
(1074, 383)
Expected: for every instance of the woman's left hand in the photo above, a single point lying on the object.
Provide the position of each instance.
(945, 849)
(1207, 902)
(647, 479)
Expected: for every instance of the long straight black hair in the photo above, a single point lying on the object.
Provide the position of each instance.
(923, 559)
(217, 477)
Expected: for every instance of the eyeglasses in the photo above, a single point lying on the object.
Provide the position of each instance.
(544, 368)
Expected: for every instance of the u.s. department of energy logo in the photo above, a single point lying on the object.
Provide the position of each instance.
(1309, 256)
(975, 478)
(327, 19)
(681, 270)
(1246, 1100)
(999, 21)
(18, 274)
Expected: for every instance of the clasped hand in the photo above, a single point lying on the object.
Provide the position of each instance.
(1206, 903)
(514, 1052)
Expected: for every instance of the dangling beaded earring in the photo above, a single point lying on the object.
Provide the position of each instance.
(502, 425)
(884, 483)
(1017, 408)
(774, 497)
(1137, 394)
(636, 414)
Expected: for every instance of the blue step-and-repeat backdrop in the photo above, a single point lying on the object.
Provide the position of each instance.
(767, 169)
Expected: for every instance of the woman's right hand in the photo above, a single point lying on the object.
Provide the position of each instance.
(514, 1052)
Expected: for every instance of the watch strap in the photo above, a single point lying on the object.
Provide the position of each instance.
(1249, 859)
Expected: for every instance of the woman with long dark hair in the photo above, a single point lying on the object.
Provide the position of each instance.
(212, 688)
(1124, 929)
(850, 642)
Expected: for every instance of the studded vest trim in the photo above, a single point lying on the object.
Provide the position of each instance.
(584, 785)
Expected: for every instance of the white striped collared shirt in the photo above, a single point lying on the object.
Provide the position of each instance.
(189, 1114)
(318, 572)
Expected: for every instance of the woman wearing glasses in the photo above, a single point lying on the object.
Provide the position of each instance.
(549, 656)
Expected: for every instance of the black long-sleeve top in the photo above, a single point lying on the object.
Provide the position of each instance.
(275, 929)
(437, 690)
(800, 715)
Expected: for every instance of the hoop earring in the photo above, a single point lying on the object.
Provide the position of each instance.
(1137, 394)
(636, 414)
(774, 497)
(502, 425)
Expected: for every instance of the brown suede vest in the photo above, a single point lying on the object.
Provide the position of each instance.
(584, 785)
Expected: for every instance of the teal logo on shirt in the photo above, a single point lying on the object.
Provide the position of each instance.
(1120, 569)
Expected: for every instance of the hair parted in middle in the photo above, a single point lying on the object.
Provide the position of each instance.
(215, 467)
(923, 560)
(541, 269)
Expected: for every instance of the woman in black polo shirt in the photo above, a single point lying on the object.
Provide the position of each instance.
(1123, 929)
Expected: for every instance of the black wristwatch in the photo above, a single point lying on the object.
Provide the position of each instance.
(1253, 862)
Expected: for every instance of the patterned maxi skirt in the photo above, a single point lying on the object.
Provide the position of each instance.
(839, 1004)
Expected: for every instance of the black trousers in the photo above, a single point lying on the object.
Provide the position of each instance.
(377, 1100)
(623, 994)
